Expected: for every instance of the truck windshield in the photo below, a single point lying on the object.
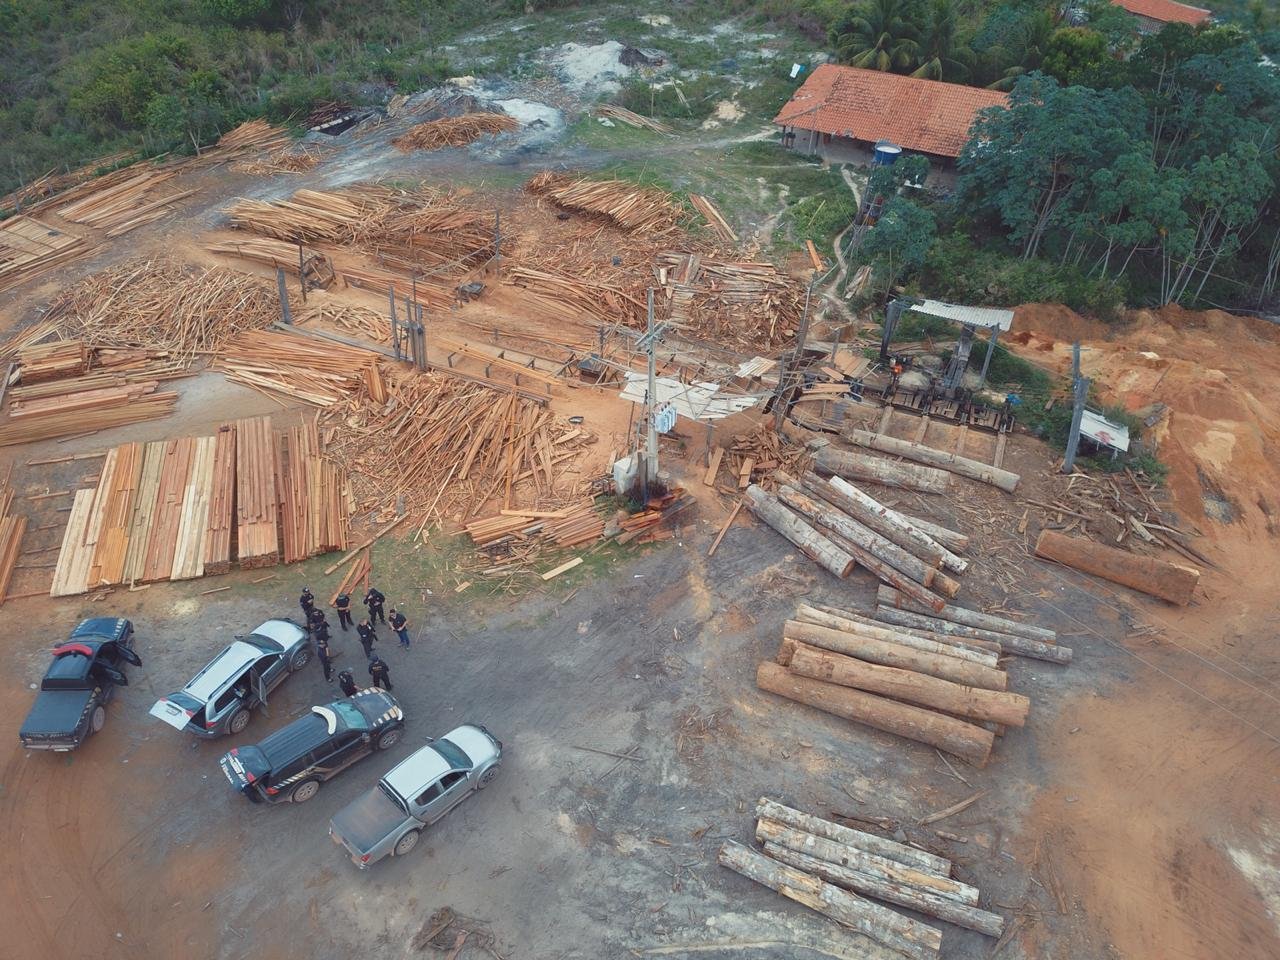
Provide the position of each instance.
(393, 796)
(350, 716)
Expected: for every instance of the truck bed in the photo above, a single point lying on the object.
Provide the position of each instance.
(54, 716)
(368, 820)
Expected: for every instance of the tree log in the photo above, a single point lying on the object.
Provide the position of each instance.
(918, 452)
(935, 664)
(1049, 652)
(866, 842)
(888, 927)
(888, 523)
(957, 737)
(813, 544)
(961, 914)
(850, 621)
(1173, 582)
(969, 618)
(972, 703)
(861, 535)
(951, 539)
(859, 466)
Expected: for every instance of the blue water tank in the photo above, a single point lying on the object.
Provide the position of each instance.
(886, 153)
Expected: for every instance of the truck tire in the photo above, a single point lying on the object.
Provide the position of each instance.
(97, 719)
(301, 657)
(486, 778)
(388, 738)
(239, 720)
(406, 843)
(305, 791)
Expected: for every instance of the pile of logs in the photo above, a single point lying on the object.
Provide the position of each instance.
(319, 372)
(454, 131)
(934, 459)
(833, 869)
(624, 204)
(748, 304)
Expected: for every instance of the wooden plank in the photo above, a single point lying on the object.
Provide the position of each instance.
(71, 576)
(713, 467)
(567, 565)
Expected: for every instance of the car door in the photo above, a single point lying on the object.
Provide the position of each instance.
(228, 700)
(439, 798)
(345, 748)
(272, 669)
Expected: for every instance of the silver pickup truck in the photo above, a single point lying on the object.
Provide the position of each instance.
(417, 792)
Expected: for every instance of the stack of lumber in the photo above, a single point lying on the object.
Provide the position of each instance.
(29, 248)
(715, 219)
(38, 331)
(630, 207)
(51, 184)
(454, 131)
(52, 361)
(252, 135)
(273, 253)
(165, 305)
(576, 526)
(257, 508)
(285, 160)
(122, 206)
(12, 529)
(108, 368)
(222, 498)
(318, 372)
(743, 303)
(445, 444)
(833, 869)
(949, 693)
(35, 420)
(429, 292)
(312, 505)
(622, 114)
(517, 536)
(583, 300)
(309, 215)
(427, 228)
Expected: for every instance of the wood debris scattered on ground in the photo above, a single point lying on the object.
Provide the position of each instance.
(285, 160)
(351, 319)
(833, 868)
(622, 114)
(593, 303)
(642, 209)
(753, 457)
(454, 131)
(172, 509)
(715, 219)
(42, 188)
(741, 303)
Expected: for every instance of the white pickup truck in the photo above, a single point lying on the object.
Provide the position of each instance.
(417, 792)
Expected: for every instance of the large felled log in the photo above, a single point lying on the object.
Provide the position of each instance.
(961, 914)
(813, 544)
(1035, 649)
(956, 737)
(979, 651)
(972, 703)
(884, 926)
(970, 618)
(859, 466)
(859, 840)
(918, 452)
(888, 523)
(935, 663)
(862, 536)
(1169, 581)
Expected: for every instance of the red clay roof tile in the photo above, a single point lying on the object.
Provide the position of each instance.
(1166, 11)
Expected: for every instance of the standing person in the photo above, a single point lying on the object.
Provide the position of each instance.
(374, 601)
(320, 630)
(343, 606)
(326, 658)
(381, 674)
(401, 626)
(367, 637)
(318, 619)
(348, 683)
(307, 602)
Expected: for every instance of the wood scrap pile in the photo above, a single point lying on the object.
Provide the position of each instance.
(350, 319)
(651, 525)
(125, 203)
(165, 305)
(642, 209)
(318, 372)
(449, 446)
(515, 538)
(622, 114)
(52, 184)
(100, 369)
(715, 219)
(284, 160)
(270, 252)
(30, 247)
(748, 304)
(188, 507)
(583, 300)
(454, 131)
(833, 869)
(753, 457)
(252, 135)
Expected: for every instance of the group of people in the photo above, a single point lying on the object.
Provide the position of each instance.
(318, 625)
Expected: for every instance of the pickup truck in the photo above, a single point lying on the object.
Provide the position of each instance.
(82, 678)
(415, 793)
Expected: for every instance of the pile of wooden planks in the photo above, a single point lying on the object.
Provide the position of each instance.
(165, 305)
(284, 160)
(310, 215)
(749, 304)
(833, 869)
(515, 538)
(36, 420)
(123, 204)
(318, 372)
(52, 361)
(622, 114)
(222, 499)
(257, 507)
(252, 135)
(583, 300)
(40, 190)
(938, 689)
(455, 131)
(29, 247)
(630, 207)
(715, 219)
(12, 529)
(312, 505)
(273, 253)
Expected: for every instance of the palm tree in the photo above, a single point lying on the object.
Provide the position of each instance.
(941, 55)
(1027, 49)
(877, 36)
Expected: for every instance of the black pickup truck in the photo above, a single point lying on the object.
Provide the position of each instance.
(85, 672)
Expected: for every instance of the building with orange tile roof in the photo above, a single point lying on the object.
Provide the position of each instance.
(1154, 15)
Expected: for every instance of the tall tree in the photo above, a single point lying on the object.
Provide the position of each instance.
(900, 240)
(878, 35)
(941, 54)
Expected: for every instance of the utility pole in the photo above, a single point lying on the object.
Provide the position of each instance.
(285, 316)
(779, 408)
(651, 452)
(1079, 391)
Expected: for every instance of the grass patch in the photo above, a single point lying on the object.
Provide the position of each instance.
(588, 131)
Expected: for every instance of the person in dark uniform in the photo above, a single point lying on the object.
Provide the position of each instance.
(320, 630)
(326, 658)
(317, 618)
(374, 601)
(348, 684)
(343, 606)
(307, 602)
(400, 624)
(367, 637)
(380, 673)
